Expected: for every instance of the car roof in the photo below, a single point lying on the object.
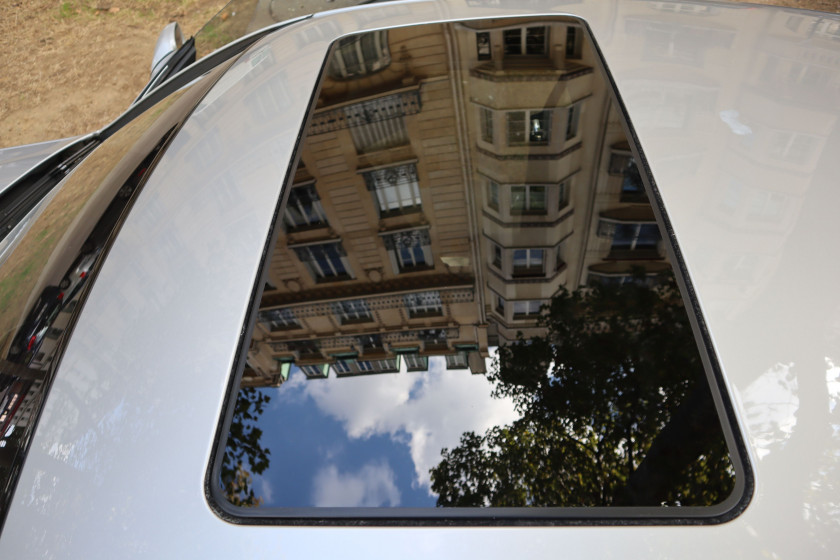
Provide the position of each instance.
(734, 125)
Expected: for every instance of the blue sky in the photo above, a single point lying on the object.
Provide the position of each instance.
(369, 441)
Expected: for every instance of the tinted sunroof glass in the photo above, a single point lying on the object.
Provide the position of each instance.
(470, 303)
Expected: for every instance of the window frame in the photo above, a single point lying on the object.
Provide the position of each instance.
(522, 42)
(526, 309)
(573, 120)
(352, 44)
(316, 269)
(409, 250)
(529, 199)
(423, 304)
(352, 311)
(395, 188)
(279, 319)
(457, 361)
(534, 266)
(526, 132)
(483, 46)
(493, 194)
(314, 208)
(486, 116)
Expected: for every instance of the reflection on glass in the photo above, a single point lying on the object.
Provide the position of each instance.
(469, 302)
(239, 18)
(43, 279)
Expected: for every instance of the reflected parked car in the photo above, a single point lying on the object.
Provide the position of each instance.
(434, 278)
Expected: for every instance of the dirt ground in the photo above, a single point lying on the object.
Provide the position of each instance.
(71, 66)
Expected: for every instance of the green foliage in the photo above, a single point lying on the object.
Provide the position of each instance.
(612, 396)
(243, 450)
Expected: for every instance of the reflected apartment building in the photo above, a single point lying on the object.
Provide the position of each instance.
(452, 180)
(781, 129)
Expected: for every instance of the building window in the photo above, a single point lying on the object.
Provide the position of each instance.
(572, 120)
(389, 365)
(632, 188)
(528, 127)
(497, 256)
(413, 362)
(533, 41)
(423, 304)
(558, 259)
(327, 262)
(562, 195)
(279, 319)
(527, 199)
(433, 338)
(574, 39)
(361, 367)
(396, 189)
(315, 371)
(370, 342)
(486, 118)
(529, 262)
(623, 163)
(360, 55)
(304, 209)
(410, 250)
(379, 135)
(456, 361)
(493, 194)
(765, 206)
(352, 311)
(265, 103)
(631, 240)
(375, 124)
(526, 309)
(620, 161)
(792, 146)
(343, 367)
(482, 45)
(500, 305)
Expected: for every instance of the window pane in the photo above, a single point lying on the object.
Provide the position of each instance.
(493, 189)
(540, 125)
(482, 41)
(517, 198)
(486, 125)
(466, 299)
(513, 41)
(536, 200)
(535, 40)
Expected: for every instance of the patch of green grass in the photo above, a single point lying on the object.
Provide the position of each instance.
(66, 10)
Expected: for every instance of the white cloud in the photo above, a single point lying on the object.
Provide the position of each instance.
(266, 490)
(372, 486)
(426, 411)
(772, 403)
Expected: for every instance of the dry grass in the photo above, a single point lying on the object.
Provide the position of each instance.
(71, 66)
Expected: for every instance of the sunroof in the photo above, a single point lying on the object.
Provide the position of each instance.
(470, 313)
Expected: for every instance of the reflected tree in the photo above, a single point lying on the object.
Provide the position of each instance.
(615, 411)
(244, 456)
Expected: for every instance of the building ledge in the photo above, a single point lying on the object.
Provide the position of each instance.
(529, 70)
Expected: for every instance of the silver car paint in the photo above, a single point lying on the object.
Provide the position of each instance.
(17, 160)
(118, 464)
